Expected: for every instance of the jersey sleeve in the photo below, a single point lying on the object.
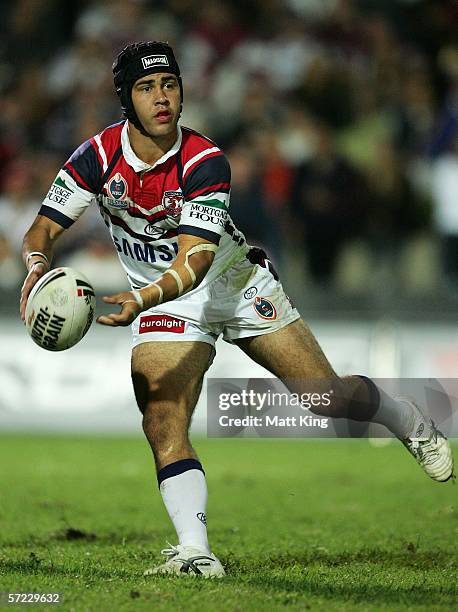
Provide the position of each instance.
(206, 199)
(74, 188)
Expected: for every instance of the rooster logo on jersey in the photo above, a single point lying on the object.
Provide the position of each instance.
(173, 203)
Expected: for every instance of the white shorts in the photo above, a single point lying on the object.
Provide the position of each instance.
(247, 300)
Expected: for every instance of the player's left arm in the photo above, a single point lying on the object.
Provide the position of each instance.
(194, 258)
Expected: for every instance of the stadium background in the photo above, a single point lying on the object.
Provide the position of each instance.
(340, 120)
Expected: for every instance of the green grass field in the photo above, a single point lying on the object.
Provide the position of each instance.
(303, 525)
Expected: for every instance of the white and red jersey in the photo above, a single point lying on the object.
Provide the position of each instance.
(146, 207)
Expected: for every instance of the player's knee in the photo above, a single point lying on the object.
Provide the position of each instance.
(146, 392)
(165, 425)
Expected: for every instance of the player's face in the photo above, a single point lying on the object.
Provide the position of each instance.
(156, 99)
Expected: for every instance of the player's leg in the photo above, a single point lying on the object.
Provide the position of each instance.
(167, 379)
(267, 327)
(295, 357)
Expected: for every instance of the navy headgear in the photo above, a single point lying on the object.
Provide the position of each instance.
(138, 60)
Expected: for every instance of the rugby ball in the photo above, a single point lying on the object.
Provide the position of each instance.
(60, 309)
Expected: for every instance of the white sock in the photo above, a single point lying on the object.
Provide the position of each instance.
(400, 417)
(185, 498)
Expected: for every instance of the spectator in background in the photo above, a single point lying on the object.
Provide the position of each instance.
(326, 92)
(396, 214)
(10, 266)
(447, 117)
(18, 208)
(262, 182)
(34, 30)
(445, 199)
(383, 76)
(18, 203)
(247, 205)
(444, 148)
(329, 198)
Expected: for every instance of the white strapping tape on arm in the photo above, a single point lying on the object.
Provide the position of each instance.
(161, 293)
(177, 277)
(197, 249)
(138, 296)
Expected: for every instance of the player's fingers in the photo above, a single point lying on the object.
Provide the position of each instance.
(22, 305)
(105, 320)
(123, 318)
(34, 275)
(25, 292)
(28, 285)
(111, 299)
(23, 302)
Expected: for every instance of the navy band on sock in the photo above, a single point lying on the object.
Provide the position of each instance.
(374, 392)
(178, 467)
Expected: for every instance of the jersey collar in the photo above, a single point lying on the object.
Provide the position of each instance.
(137, 164)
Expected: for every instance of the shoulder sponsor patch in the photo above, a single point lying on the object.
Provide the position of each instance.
(213, 203)
(59, 192)
(264, 308)
(208, 214)
(161, 323)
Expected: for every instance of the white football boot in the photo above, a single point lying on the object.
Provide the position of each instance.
(430, 447)
(188, 561)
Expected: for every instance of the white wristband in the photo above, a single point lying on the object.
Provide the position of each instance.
(36, 254)
(138, 298)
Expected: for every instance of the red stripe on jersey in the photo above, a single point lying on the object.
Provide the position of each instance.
(208, 189)
(78, 178)
(97, 150)
(123, 225)
(133, 212)
(200, 160)
(110, 138)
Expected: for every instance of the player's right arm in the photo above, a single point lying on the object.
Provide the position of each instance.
(37, 253)
(72, 191)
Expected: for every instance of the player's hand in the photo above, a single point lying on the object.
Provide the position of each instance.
(37, 270)
(130, 310)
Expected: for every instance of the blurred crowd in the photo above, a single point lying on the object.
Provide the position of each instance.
(339, 118)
